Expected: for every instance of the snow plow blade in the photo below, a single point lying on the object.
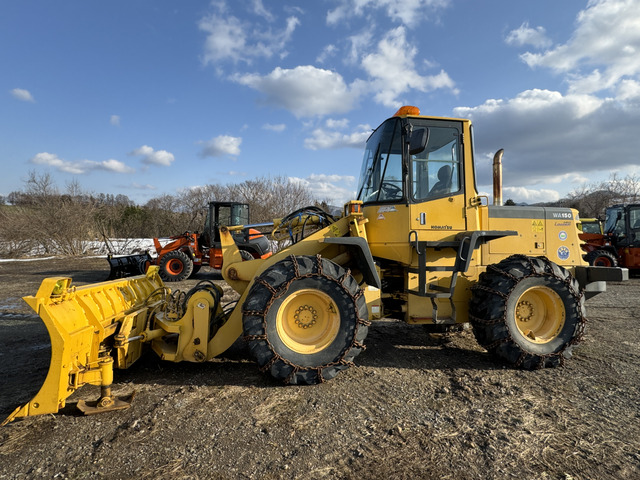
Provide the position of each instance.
(84, 324)
(128, 265)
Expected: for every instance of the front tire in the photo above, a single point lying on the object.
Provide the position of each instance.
(175, 266)
(528, 311)
(601, 258)
(305, 319)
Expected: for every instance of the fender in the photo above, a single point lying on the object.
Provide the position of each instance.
(359, 248)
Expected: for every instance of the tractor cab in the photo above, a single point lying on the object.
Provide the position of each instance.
(623, 224)
(619, 244)
(228, 214)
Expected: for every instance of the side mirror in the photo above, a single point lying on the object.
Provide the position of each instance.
(418, 141)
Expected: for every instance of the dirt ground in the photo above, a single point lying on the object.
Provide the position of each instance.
(415, 406)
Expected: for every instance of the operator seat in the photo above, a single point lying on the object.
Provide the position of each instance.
(443, 185)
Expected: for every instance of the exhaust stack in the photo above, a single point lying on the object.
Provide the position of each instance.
(497, 177)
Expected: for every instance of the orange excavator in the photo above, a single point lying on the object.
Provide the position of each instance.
(186, 253)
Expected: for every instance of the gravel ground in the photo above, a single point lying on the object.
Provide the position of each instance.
(416, 406)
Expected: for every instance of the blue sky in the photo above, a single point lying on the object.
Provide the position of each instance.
(150, 97)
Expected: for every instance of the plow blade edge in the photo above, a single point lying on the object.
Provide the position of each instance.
(82, 323)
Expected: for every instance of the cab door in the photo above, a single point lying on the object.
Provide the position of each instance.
(436, 186)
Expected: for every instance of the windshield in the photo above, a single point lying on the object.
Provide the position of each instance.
(232, 215)
(613, 224)
(381, 174)
(434, 172)
(591, 226)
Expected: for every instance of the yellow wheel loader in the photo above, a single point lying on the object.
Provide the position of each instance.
(418, 244)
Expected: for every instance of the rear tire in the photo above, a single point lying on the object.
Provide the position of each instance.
(305, 319)
(175, 266)
(195, 270)
(246, 255)
(528, 311)
(601, 258)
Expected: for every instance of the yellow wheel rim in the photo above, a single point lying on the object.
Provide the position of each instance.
(540, 314)
(308, 321)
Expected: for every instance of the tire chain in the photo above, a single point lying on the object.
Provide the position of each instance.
(281, 291)
(580, 329)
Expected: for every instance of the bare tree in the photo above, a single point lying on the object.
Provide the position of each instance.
(625, 190)
(271, 197)
(592, 200)
(45, 220)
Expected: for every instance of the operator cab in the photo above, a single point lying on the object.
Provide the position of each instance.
(623, 224)
(228, 214)
(411, 160)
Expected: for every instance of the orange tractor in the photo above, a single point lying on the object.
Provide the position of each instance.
(186, 253)
(619, 244)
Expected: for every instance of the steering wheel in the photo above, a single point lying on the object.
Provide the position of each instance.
(390, 190)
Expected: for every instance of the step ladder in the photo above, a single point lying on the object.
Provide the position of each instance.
(464, 243)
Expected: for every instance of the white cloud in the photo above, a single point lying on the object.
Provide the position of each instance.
(226, 38)
(328, 51)
(115, 120)
(568, 139)
(336, 189)
(603, 50)
(116, 166)
(628, 90)
(526, 35)
(80, 167)
(340, 123)
(306, 91)
(528, 195)
(139, 186)
(358, 43)
(229, 38)
(333, 136)
(280, 127)
(553, 138)
(221, 145)
(407, 12)
(394, 54)
(259, 9)
(23, 95)
(154, 157)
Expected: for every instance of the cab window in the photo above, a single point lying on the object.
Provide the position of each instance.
(435, 172)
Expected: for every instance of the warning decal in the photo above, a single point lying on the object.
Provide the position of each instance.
(537, 226)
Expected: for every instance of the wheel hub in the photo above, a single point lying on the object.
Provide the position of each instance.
(539, 314)
(308, 321)
(524, 311)
(305, 316)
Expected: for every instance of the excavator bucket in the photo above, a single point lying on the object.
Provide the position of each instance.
(128, 265)
(89, 328)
